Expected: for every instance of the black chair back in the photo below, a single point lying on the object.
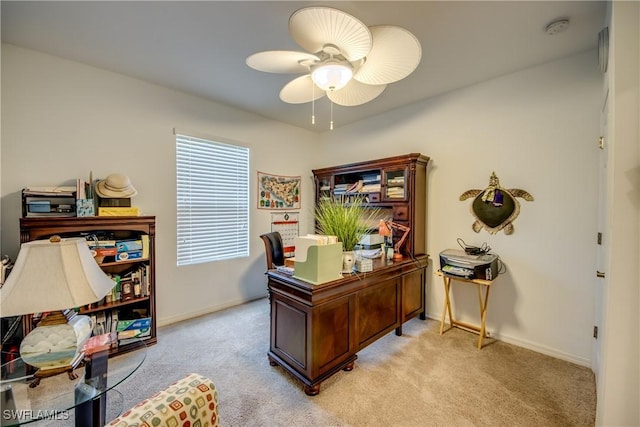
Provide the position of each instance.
(274, 249)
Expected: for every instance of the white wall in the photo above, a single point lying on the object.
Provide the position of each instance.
(62, 119)
(538, 130)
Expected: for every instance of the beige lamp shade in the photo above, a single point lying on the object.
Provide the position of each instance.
(49, 276)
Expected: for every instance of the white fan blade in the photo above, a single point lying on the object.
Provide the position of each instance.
(314, 27)
(395, 54)
(300, 90)
(281, 61)
(355, 93)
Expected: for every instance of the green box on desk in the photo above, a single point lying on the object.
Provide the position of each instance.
(323, 264)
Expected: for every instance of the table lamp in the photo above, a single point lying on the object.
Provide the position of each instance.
(384, 229)
(50, 276)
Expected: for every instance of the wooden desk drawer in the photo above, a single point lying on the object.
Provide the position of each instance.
(400, 213)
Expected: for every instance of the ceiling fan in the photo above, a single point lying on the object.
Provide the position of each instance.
(346, 60)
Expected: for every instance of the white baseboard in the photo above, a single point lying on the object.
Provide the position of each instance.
(538, 348)
(208, 310)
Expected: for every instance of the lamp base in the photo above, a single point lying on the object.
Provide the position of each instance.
(397, 256)
(45, 373)
(55, 346)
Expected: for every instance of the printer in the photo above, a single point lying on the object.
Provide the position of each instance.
(458, 263)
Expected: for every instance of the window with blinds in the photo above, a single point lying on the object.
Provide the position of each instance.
(212, 200)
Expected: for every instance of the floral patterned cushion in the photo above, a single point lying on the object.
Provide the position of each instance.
(190, 402)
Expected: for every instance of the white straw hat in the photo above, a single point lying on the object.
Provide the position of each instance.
(115, 186)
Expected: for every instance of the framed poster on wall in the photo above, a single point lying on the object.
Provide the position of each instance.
(278, 191)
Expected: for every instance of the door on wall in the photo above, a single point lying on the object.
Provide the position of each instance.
(602, 242)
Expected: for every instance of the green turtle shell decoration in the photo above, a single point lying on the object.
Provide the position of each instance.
(495, 208)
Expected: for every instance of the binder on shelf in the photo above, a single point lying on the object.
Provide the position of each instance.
(114, 321)
(145, 245)
(99, 327)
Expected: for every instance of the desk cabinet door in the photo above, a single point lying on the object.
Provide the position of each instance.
(332, 340)
(289, 334)
(378, 309)
(412, 294)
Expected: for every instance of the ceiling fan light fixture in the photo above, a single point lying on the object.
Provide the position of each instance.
(346, 61)
(332, 75)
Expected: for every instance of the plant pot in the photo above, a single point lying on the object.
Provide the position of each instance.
(348, 261)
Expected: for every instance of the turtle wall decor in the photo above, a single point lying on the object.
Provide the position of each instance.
(495, 208)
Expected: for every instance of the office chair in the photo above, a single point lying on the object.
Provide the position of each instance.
(274, 249)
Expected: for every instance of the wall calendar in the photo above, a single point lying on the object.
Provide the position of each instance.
(287, 225)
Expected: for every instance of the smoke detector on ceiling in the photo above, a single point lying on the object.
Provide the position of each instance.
(557, 26)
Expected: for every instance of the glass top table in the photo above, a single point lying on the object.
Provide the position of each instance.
(53, 398)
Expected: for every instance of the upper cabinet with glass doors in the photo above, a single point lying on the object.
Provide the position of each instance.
(397, 184)
(394, 184)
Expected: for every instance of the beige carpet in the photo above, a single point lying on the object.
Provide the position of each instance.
(419, 379)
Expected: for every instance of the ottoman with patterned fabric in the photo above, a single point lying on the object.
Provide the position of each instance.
(190, 402)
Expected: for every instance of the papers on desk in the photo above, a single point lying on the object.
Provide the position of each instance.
(369, 253)
(303, 243)
(286, 270)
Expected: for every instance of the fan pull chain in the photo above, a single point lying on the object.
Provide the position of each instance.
(313, 103)
(331, 122)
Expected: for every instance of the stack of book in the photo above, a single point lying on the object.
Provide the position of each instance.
(340, 189)
(395, 187)
(130, 249)
(119, 250)
(371, 183)
(131, 285)
(133, 330)
(355, 187)
(101, 249)
(104, 322)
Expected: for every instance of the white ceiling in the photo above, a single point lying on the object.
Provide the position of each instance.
(200, 47)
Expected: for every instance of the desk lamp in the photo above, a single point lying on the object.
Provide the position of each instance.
(51, 276)
(384, 229)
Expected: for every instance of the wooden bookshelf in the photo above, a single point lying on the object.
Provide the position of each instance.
(120, 228)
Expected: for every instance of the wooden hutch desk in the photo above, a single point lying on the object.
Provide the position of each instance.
(316, 330)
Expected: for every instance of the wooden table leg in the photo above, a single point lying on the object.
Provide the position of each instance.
(483, 313)
(447, 304)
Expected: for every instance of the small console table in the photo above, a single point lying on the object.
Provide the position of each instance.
(316, 330)
(483, 302)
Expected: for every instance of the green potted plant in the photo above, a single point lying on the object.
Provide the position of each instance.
(348, 220)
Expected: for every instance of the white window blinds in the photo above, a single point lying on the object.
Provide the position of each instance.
(212, 200)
